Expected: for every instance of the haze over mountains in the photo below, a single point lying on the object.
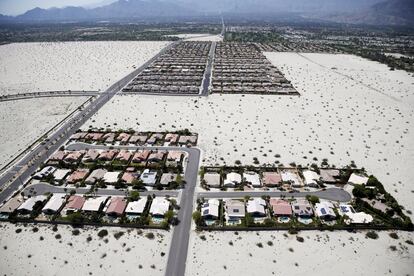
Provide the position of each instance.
(394, 12)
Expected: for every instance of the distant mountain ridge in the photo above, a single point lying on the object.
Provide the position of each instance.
(117, 10)
(389, 12)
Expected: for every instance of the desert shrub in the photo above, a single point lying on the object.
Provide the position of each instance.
(76, 232)
(150, 235)
(259, 244)
(300, 239)
(117, 235)
(372, 235)
(102, 233)
(394, 235)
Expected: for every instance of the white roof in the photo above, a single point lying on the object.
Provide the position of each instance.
(324, 208)
(148, 177)
(55, 202)
(159, 206)
(235, 208)
(210, 208)
(232, 178)
(310, 177)
(252, 178)
(355, 217)
(94, 204)
(30, 202)
(60, 174)
(136, 207)
(45, 171)
(357, 179)
(111, 177)
(290, 177)
(256, 205)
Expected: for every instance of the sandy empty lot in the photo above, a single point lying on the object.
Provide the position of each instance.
(24, 121)
(27, 67)
(38, 250)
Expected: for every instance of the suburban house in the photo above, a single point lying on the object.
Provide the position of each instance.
(252, 178)
(330, 176)
(159, 207)
(212, 180)
(149, 177)
(94, 136)
(325, 210)
(272, 179)
(129, 177)
(167, 178)
(154, 138)
(140, 139)
(109, 137)
(136, 207)
(73, 157)
(210, 209)
(111, 177)
(55, 204)
(188, 139)
(28, 204)
(95, 176)
(75, 203)
(354, 217)
(46, 171)
(156, 156)
(280, 207)
(90, 156)
(10, 206)
(60, 174)
(172, 138)
(232, 179)
(94, 204)
(302, 208)
(174, 157)
(357, 179)
(256, 207)
(141, 156)
(291, 178)
(124, 156)
(311, 178)
(78, 136)
(107, 155)
(123, 137)
(77, 176)
(58, 156)
(116, 207)
(235, 211)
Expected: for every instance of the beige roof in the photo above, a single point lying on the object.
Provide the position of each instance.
(11, 205)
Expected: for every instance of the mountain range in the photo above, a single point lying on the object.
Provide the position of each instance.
(389, 12)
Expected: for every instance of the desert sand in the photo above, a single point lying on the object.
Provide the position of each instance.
(334, 118)
(37, 250)
(278, 253)
(343, 114)
(30, 67)
(23, 122)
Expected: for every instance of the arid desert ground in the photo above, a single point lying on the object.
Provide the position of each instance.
(357, 110)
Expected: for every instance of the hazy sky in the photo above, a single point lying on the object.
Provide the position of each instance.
(14, 7)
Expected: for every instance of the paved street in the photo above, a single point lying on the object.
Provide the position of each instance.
(335, 194)
(48, 94)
